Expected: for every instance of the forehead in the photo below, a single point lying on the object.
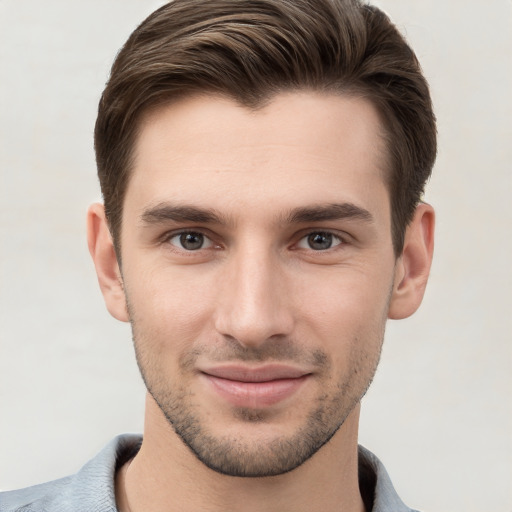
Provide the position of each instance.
(300, 147)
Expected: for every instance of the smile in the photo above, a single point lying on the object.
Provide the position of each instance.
(255, 387)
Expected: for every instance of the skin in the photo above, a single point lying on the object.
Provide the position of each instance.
(274, 276)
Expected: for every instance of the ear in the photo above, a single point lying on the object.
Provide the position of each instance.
(413, 265)
(103, 254)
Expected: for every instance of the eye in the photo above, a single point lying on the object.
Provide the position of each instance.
(190, 241)
(319, 241)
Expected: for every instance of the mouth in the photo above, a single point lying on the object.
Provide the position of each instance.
(257, 387)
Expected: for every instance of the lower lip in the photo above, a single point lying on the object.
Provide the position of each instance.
(255, 394)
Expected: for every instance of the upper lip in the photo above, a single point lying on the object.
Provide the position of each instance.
(264, 373)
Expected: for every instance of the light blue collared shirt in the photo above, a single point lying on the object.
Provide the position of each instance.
(92, 488)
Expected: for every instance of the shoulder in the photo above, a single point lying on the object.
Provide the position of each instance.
(89, 490)
(36, 498)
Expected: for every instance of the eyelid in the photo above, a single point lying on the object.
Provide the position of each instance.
(207, 243)
(169, 235)
(343, 237)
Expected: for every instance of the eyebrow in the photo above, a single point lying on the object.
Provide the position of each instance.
(333, 211)
(164, 212)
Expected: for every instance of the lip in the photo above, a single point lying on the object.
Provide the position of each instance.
(257, 387)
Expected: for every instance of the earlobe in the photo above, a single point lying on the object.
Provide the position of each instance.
(413, 266)
(103, 254)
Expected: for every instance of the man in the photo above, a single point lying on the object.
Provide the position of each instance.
(261, 164)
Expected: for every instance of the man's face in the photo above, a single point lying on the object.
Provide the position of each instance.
(258, 266)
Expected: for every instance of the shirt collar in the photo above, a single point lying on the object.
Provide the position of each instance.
(96, 480)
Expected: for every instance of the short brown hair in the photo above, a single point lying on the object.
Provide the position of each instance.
(250, 50)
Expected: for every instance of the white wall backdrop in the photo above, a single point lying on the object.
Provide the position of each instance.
(439, 413)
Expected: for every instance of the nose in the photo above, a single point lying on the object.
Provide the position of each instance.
(254, 305)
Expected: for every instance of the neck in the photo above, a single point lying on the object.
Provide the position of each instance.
(166, 475)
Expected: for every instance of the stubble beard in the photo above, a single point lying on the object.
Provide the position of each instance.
(240, 457)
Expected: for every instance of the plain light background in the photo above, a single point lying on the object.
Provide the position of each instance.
(439, 413)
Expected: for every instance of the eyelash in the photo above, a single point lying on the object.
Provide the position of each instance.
(166, 239)
(336, 237)
(324, 233)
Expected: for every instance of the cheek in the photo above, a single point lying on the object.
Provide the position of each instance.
(169, 307)
(345, 296)
(348, 315)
